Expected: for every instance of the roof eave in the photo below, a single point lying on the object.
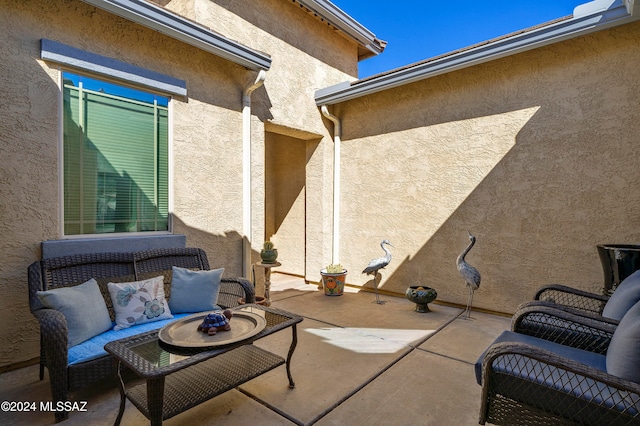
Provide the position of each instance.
(587, 18)
(347, 25)
(179, 28)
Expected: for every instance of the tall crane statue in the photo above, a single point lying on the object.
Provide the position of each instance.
(469, 273)
(377, 264)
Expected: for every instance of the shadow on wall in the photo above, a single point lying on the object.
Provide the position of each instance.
(538, 195)
(223, 250)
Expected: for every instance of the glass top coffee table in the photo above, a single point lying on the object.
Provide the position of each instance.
(179, 378)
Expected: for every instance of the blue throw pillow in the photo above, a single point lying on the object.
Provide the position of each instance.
(84, 308)
(623, 354)
(623, 298)
(194, 291)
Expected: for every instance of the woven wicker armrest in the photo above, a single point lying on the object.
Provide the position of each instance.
(572, 297)
(243, 285)
(570, 312)
(556, 325)
(528, 380)
(54, 337)
(52, 323)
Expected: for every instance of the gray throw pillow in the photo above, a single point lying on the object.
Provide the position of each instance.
(623, 298)
(84, 308)
(623, 354)
(194, 291)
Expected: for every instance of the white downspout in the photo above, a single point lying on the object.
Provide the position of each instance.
(337, 134)
(246, 173)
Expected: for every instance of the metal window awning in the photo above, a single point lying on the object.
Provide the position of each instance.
(179, 28)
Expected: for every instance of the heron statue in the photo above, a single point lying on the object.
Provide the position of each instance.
(469, 273)
(377, 264)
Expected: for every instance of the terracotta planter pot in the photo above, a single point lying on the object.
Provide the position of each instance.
(259, 300)
(333, 283)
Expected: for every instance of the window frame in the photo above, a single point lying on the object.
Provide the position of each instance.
(64, 58)
(84, 73)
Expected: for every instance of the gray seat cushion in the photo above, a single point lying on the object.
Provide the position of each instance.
(623, 355)
(623, 298)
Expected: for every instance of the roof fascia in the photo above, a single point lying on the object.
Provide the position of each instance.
(589, 17)
(345, 23)
(179, 28)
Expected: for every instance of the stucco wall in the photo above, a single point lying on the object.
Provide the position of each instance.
(206, 138)
(307, 55)
(29, 183)
(535, 154)
(285, 200)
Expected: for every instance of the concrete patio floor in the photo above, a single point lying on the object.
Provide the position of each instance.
(356, 363)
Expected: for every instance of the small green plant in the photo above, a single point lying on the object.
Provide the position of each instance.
(335, 268)
(268, 254)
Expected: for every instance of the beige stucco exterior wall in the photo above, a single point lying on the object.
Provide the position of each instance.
(307, 55)
(285, 200)
(206, 139)
(535, 154)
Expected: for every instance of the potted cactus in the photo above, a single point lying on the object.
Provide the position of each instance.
(268, 254)
(333, 278)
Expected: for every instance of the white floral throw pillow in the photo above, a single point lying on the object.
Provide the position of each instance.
(139, 302)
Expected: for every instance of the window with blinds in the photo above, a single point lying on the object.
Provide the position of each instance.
(115, 161)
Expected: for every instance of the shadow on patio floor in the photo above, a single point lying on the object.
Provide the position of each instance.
(356, 362)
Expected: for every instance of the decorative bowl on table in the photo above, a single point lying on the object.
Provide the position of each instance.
(421, 296)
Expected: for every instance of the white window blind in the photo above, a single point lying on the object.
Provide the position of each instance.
(115, 158)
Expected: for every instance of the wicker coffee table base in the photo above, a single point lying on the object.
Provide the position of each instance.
(164, 397)
(175, 381)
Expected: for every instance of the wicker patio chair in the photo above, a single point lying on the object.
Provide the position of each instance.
(531, 381)
(584, 303)
(574, 317)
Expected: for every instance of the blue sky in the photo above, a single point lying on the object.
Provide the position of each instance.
(421, 29)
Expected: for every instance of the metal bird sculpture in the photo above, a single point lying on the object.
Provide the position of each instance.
(469, 273)
(377, 264)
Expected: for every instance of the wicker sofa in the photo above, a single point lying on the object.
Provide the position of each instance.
(66, 376)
